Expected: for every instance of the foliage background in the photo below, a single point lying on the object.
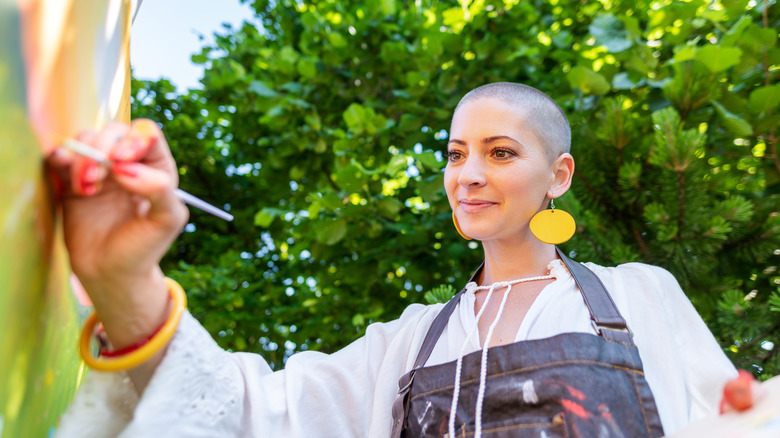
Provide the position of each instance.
(324, 131)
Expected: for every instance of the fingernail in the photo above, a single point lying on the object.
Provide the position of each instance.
(147, 128)
(89, 189)
(90, 173)
(125, 168)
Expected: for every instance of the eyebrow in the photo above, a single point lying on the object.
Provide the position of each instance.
(486, 140)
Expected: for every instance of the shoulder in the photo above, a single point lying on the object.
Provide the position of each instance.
(413, 321)
(637, 278)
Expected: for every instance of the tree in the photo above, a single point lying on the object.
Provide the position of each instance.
(324, 130)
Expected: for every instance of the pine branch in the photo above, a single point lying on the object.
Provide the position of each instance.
(641, 242)
(680, 203)
(592, 191)
(762, 336)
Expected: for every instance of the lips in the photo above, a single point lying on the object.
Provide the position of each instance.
(475, 205)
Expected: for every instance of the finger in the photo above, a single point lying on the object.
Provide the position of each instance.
(57, 166)
(155, 185)
(738, 393)
(60, 157)
(84, 173)
(146, 143)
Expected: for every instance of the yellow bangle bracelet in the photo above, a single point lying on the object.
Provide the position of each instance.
(144, 352)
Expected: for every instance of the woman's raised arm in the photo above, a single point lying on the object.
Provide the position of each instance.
(118, 224)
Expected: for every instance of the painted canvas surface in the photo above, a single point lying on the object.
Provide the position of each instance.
(63, 69)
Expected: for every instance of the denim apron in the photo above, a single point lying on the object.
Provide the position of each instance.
(569, 385)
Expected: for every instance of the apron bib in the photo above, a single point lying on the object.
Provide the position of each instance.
(569, 385)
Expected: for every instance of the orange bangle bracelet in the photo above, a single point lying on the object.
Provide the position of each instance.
(142, 351)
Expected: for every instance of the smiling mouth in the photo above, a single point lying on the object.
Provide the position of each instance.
(475, 206)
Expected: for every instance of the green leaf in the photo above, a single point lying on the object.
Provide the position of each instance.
(389, 207)
(292, 87)
(393, 51)
(714, 15)
(610, 33)
(684, 53)
(332, 232)
(428, 159)
(337, 40)
(200, 58)
(764, 99)
(758, 39)
(454, 18)
(627, 80)
(587, 80)
(307, 67)
(397, 163)
(431, 188)
(314, 209)
(388, 7)
(265, 217)
(261, 89)
(351, 179)
(735, 124)
(735, 32)
(717, 58)
(410, 122)
(354, 116)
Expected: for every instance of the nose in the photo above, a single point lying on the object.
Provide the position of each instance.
(472, 173)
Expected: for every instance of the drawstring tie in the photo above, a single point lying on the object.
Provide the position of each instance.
(483, 364)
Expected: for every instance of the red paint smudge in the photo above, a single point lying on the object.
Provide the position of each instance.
(575, 408)
(575, 393)
(605, 411)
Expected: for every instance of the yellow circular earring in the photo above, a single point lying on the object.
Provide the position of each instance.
(553, 226)
(457, 227)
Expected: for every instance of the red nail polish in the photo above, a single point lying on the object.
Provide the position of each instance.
(89, 189)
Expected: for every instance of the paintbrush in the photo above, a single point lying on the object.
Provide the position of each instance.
(85, 150)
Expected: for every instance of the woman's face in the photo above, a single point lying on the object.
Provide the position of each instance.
(498, 174)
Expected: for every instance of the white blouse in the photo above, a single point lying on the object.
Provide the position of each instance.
(200, 390)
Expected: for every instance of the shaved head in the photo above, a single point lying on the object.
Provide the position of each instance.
(542, 115)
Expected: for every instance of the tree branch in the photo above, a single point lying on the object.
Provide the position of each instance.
(326, 172)
(680, 202)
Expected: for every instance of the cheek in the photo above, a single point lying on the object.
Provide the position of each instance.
(450, 184)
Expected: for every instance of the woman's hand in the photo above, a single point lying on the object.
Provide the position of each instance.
(740, 393)
(118, 224)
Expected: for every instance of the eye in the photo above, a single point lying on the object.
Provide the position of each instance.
(503, 153)
(454, 156)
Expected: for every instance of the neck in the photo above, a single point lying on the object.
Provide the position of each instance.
(506, 261)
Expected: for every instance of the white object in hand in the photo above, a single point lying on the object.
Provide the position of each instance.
(85, 150)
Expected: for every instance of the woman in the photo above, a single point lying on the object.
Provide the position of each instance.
(562, 360)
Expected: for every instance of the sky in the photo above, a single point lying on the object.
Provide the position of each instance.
(165, 35)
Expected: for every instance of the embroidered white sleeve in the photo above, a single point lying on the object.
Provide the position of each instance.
(197, 390)
(200, 390)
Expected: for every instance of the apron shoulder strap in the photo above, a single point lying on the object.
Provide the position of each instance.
(433, 335)
(437, 327)
(604, 314)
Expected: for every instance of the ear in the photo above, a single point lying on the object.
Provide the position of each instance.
(563, 172)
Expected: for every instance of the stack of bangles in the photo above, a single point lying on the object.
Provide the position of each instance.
(134, 355)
